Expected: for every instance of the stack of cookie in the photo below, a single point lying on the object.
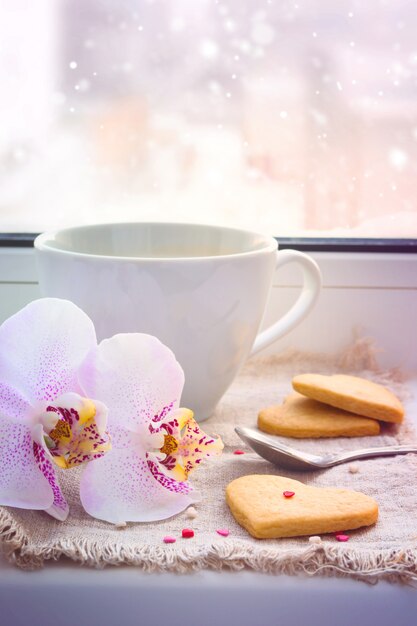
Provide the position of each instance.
(332, 406)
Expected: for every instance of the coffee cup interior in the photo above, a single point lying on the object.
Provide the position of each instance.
(155, 240)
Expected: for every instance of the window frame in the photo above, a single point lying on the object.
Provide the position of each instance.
(304, 244)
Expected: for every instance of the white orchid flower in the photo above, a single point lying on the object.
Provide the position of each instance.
(155, 444)
(46, 422)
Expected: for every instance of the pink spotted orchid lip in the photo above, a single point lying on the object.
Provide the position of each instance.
(72, 431)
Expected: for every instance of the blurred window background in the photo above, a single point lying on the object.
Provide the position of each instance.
(297, 118)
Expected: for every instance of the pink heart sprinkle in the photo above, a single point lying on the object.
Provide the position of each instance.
(223, 532)
(238, 452)
(169, 539)
(288, 494)
(342, 537)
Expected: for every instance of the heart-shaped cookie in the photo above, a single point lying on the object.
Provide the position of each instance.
(353, 394)
(258, 503)
(302, 417)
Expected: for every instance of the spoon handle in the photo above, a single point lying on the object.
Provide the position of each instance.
(373, 452)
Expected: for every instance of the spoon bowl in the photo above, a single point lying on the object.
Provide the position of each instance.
(271, 449)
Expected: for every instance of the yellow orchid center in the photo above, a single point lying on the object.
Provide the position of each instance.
(61, 432)
(170, 444)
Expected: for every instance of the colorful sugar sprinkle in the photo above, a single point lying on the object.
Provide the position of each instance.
(288, 494)
(314, 539)
(187, 533)
(223, 532)
(120, 525)
(238, 452)
(169, 539)
(192, 513)
(353, 468)
(341, 537)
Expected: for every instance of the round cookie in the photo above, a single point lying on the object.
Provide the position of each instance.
(353, 394)
(257, 502)
(301, 417)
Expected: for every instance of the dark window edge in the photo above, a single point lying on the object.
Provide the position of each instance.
(17, 240)
(305, 244)
(329, 244)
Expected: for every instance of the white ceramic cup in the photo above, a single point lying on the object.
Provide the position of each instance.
(202, 290)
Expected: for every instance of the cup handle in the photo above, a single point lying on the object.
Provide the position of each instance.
(304, 303)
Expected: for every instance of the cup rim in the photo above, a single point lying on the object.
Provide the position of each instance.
(41, 242)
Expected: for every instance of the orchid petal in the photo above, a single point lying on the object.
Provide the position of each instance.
(136, 376)
(59, 507)
(21, 483)
(13, 405)
(120, 488)
(42, 346)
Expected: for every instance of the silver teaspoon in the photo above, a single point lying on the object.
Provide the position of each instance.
(279, 454)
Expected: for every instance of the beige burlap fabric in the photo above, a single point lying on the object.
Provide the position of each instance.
(387, 550)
